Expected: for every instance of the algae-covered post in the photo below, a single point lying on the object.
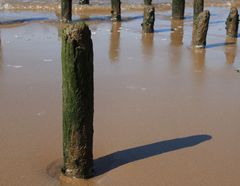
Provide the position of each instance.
(77, 75)
(232, 23)
(200, 29)
(148, 19)
(178, 8)
(116, 10)
(147, 2)
(83, 2)
(198, 7)
(66, 10)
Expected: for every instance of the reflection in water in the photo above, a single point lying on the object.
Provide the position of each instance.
(59, 26)
(147, 44)
(230, 50)
(58, 15)
(84, 17)
(175, 56)
(114, 41)
(1, 56)
(198, 58)
(177, 34)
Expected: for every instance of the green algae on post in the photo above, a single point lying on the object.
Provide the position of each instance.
(178, 8)
(77, 90)
(148, 19)
(198, 7)
(200, 28)
(66, 10)
(116, 10)
(232, 23)
(147, 2)
(83, 2)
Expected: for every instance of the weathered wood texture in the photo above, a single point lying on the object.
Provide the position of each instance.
(148, 19)
(232, 23)
(198, 7)
(77, 74)
(83, 2)
(178, 8)
(200, 28)
(116, 10)
(147, 2)
(66, 10)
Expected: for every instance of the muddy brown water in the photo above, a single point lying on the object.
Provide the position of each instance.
(165, 114)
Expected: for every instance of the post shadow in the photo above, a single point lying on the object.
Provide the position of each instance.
(230, 50)
(114, 41)
(119, 158)
(219, 44)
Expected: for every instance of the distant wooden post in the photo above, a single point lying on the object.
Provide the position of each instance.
(77, 75)
(66, 10)
(200, 29)
(148, 19)
(178, 8)
(116, 10)
(83, 2)
(232, 23)
(147, 2)
(198, 7)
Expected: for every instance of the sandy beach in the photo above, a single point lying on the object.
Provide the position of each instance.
(165, 114)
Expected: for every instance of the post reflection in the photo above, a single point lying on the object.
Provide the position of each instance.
(59, 26)
(1, 55)
(177, 32)
(114, 42)
(84, 17)
(147, 44)
(230, 49)
(198, 58)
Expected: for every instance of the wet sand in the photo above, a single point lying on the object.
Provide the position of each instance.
(165, 114)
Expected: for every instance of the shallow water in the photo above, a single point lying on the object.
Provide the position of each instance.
(165, 114)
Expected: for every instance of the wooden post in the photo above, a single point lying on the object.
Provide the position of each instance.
(116, 10)
(178, 8)
(200, 29)
(148, 19)
(147, 2)
(83, 2)
(232, 23)
(77, 74)
(198, 7)
(66, 10)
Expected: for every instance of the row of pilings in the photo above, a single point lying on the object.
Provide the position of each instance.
(78, 80)
(200, 17)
